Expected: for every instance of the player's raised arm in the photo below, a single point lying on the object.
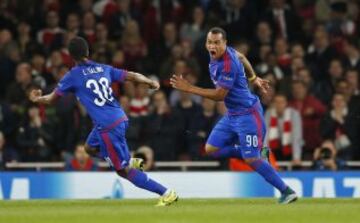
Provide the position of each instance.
(178, 82)
(262, 84)
(139, 78)
(37, 97)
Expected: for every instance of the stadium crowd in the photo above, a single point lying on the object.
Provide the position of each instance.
(309, 50)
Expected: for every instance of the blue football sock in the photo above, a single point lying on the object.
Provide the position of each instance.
(140, 179)
(226, 152)
(269, 174)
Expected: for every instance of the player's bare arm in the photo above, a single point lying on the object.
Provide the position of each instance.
(178, 82)
(139, 78)
(37, 97)
(262, 84)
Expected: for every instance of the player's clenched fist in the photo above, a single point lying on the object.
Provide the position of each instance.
(35, 94)
(154, 85)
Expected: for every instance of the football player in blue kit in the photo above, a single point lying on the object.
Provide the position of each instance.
(241, 132)
(91, 83)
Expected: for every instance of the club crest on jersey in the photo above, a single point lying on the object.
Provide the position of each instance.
(93, 70)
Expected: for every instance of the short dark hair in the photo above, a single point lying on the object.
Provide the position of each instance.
(78, 48)
(217, 30)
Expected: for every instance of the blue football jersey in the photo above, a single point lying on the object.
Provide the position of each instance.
(228, 72)
(91, 83)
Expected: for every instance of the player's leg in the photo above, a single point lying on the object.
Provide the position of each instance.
(251, 132)
(92, 145)
(220, 143)
(117, 154)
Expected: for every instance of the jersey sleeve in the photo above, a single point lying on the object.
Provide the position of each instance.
(65, 85)
(226, 77)
(117, 75)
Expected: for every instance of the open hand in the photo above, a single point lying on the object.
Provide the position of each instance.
(262, 84)
(178, 82)
(35, 94)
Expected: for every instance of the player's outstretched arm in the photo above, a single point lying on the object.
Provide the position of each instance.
(139, 78)
(178, 82)
(262, 84)
(37, 97)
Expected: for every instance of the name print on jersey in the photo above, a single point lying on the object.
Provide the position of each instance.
(92, 70)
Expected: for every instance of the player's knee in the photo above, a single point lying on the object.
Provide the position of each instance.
(210, 149)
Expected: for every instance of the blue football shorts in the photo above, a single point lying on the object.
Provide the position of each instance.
(245, 132)
(112, 144)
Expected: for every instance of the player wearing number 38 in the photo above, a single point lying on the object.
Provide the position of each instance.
(90, 82)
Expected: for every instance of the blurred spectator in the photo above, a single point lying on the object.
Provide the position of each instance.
(35, 137)
(133, 46)
(54, 61)
(103, 45)
(262, 55)
(283, 20)
(67, 116)
(164, 129)
(134, 133)
(297, 63)
(352, 101)
(8, 120)
(200, 127)
(284, 130)
(122, 16)
(7, 154)
(238, 19)
(320, 90)
(16, 91)
(166, 68)
(9, 57)
(320, 53)
(352, 54)
(272, 66)
(47, 35)
(263, 35)
(341, 126)
(189, 111)
(297, 50)
(26, 44)
(325, 157)
(352, 78)
(339, 24)
(139, 105)
(282, 53)
(169, 38)
(38, 71)
(85, 6)
(73, 23)
(81, 161)
(311, 110)
(88, 27)
(195, 29)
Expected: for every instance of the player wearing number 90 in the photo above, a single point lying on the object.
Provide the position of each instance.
(240, 133)
(90, 82)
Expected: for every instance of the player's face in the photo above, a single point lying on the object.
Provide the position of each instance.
(216, 45)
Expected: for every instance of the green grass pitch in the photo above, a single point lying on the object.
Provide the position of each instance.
(185, 210)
